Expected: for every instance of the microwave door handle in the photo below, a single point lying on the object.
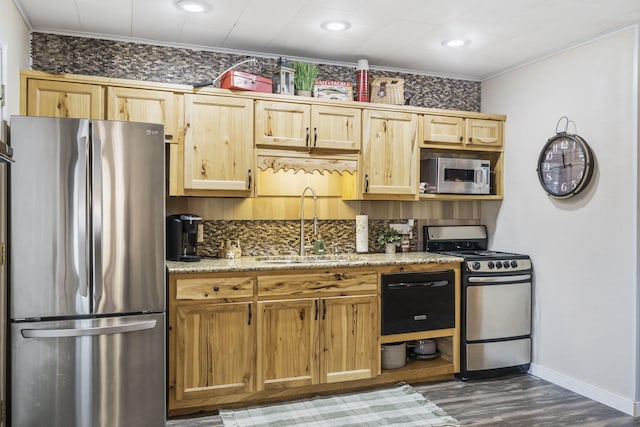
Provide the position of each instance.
(481, 176)
(477, 177)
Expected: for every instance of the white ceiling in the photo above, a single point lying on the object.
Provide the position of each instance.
(398, 34)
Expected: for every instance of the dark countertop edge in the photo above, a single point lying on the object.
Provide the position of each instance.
(213, 265)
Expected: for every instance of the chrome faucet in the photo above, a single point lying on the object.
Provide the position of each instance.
(315, 217)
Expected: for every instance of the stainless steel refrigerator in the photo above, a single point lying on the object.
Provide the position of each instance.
(86, 273)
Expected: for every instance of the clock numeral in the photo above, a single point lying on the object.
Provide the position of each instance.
(564, 187)
(564, 144)
(574, 184)
(549, 155)
(546, 167)
(548, 178)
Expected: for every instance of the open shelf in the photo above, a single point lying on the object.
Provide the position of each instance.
(412, 336)
(420, 369)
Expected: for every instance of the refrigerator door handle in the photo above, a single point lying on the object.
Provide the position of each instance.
(84, 287)
(82, 332)
(96, 221)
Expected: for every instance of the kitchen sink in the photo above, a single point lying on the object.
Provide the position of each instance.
(297, 259)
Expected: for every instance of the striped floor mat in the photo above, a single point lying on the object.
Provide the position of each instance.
(398, 406)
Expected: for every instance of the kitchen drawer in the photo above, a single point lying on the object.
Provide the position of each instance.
(325, 283)
(214, 288)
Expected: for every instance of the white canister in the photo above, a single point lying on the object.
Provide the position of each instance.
(394, 356)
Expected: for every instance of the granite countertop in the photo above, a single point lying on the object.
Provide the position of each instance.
(292, 262)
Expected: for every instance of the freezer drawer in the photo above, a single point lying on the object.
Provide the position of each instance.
(498, 311)
(89, 373)
(497, 354)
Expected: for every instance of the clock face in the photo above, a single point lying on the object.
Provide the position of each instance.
(565, 165)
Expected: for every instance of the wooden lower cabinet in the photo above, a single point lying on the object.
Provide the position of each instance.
(312, 341)
(238, 338)
(287, 343)
(349, 338)
(214, 349)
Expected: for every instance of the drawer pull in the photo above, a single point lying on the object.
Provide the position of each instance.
(216, 288)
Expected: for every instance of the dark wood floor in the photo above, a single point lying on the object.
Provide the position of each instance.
(521, 401)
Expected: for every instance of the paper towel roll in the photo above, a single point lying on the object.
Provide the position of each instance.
(362, 233)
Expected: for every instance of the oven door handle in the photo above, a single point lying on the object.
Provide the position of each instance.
(499, 279)
(434, 284)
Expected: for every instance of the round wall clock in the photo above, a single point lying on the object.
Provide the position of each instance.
(565, 165)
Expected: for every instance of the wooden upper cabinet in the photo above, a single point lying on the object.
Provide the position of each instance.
(461, 133)
(389, 154)
(483, 133)
(282, 124)
(443, 129)
(218, 144)
(214, 350)
(308, 127)
(64, 99)
(349, 338)
(143, 105)
(336, 128)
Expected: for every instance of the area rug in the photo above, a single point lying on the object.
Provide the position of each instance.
(398, 406)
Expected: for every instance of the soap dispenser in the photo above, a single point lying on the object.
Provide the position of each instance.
(318, 248)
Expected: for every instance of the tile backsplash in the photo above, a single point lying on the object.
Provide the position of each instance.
(283, 237)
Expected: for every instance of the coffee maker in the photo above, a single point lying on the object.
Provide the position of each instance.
(182, 237)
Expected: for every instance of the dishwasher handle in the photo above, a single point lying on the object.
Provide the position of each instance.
(433, 284)
(91, 331)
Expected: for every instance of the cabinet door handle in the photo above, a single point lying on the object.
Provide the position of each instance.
(216, 288)
(366, 183)
(315, 136)
(316, 303)
(306, 143)
(324, 309)
(461, 138)
(249, 314)
(470, 139)
(249, 180)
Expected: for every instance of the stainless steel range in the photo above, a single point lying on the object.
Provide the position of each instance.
(496, 302)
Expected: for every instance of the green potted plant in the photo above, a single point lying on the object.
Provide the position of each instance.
(304, 75)
(389, 238)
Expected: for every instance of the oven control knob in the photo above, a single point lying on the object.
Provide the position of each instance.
(490, 264)
(514, 263)
(476, 265)
(498, 264)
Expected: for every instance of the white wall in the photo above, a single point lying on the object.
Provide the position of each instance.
(14, 35)
(583, 249)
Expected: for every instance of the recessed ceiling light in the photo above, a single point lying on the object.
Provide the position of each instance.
(335, 25)
(193, 6)
(455, 42)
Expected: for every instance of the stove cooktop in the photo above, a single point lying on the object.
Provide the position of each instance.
(482, 254)
(470, 243)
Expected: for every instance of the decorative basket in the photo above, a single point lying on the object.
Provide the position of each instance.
(387, 90)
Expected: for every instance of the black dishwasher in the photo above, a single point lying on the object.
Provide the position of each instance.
(421, 301)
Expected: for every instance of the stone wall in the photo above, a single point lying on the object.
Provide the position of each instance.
(138, 61)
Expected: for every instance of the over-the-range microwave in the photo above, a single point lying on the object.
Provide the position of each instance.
(449, 175)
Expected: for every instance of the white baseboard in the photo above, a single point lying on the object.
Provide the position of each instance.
(594, 393)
